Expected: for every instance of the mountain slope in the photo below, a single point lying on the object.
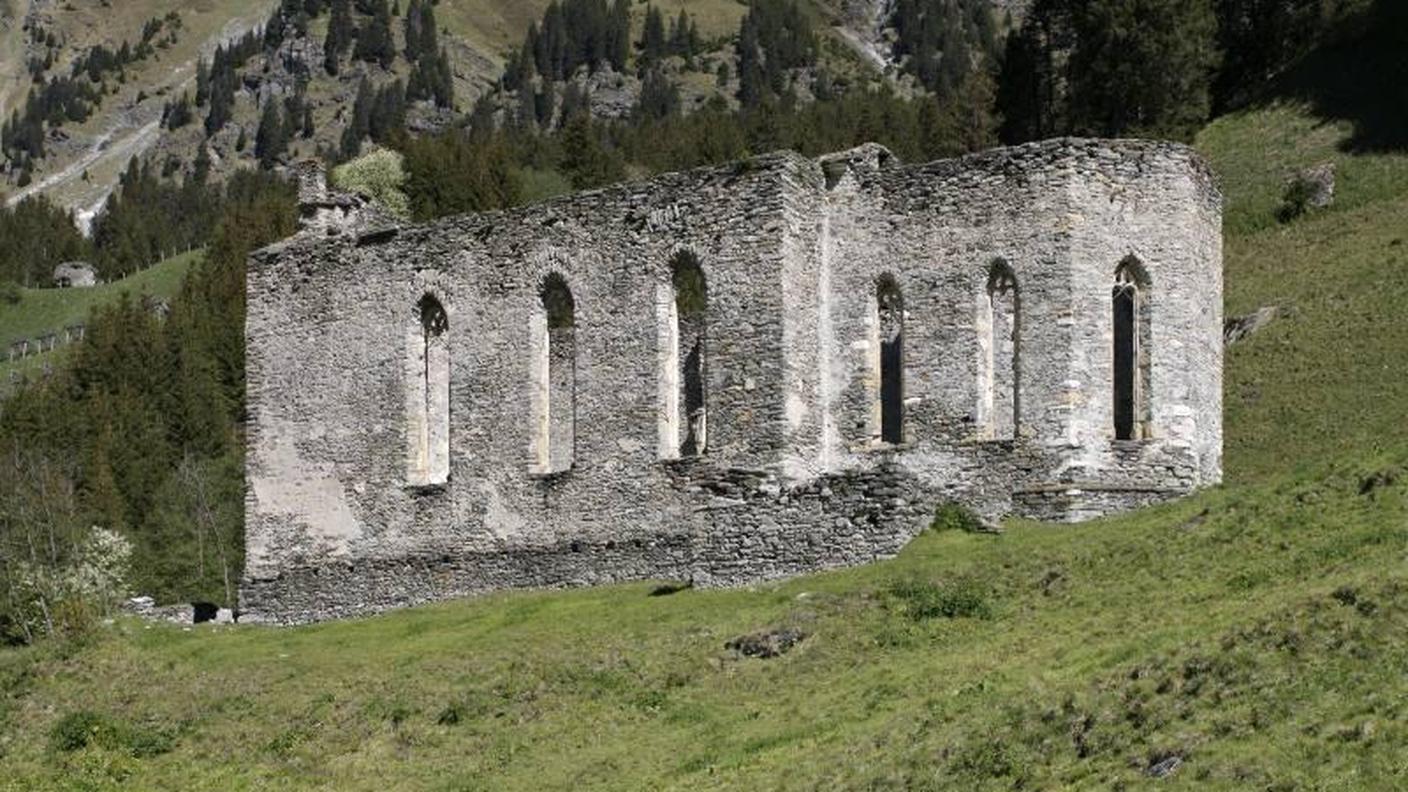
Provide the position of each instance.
(85, 158)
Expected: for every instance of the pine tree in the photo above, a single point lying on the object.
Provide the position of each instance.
(1143, 67)
(360, 124)
(270, 140)
(200, 169)
(618, 47)
(653, 44)
(374, 43)
(339, 37)
(586, 161)
(412, 28)
(659, 97)
(388, 114)
(202, 82)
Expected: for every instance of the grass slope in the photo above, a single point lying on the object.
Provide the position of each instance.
(1254, 633)
(42, 311)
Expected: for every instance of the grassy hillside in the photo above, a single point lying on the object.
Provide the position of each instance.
(42, 311)
(1322, 383)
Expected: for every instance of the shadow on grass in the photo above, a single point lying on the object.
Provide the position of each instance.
(1359, 76)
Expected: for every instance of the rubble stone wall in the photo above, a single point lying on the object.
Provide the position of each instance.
(793, 476)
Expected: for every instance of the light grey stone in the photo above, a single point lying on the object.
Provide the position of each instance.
(793, 475)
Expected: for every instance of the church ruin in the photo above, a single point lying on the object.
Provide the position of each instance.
(728, 375)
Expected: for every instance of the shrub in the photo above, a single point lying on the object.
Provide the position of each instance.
(380, 176)
(77, 730)
(952, 517)
(960, 598)
(10, 293)
(67, 590)
(1295, 201)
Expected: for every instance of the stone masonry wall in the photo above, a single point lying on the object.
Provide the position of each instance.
(794, 477)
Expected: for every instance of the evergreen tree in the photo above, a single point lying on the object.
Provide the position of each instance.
(618, 48)
(38, 236)
(359, 126)
(773, 38)
(177, 114)
(271, 139)
(1259, 39)
(412, 27)
(200, 169)
(202, 82)
(587, 162)
(340, 35)
(374, 43)
(388, 114)
(454, 173)
(1143, 67)
(659, 97)
(653, 43)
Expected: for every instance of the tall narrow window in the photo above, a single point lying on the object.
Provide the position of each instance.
(684, 352)
(888, 360)
(428, 395)
(555, 368)
(1131, 351)
(999, 407)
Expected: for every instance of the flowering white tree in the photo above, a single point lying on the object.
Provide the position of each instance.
(55, 572)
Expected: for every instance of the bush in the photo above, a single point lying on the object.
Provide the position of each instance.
(10, 293)
(63, 592)
(952, 517)
(379, 175)
(1296, 199)
(960, 598)
(77, 730)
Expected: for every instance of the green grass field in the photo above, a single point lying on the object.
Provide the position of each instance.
(42, 311)
(1254, 635)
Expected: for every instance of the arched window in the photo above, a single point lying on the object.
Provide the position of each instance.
(887, 361)
(428, 394)
(555, 375)
(1131, 332)
(999, 317)
(683, 356)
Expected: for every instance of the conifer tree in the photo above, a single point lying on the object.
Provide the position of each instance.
(412, 29)
(202, 82)
(270, 140)
(360, 124)
(653, 44)
(1143, 67)
(340, 34)
(200, 169)
(374, 43)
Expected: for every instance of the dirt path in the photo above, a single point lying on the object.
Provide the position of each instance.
(133, 132)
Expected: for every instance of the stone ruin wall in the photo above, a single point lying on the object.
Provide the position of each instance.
(793, 478)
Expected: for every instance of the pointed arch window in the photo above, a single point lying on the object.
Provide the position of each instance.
(428, 394)
(1131, 349)
(555, 377)
(887, 361)
(684, 304)
(999, 407)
